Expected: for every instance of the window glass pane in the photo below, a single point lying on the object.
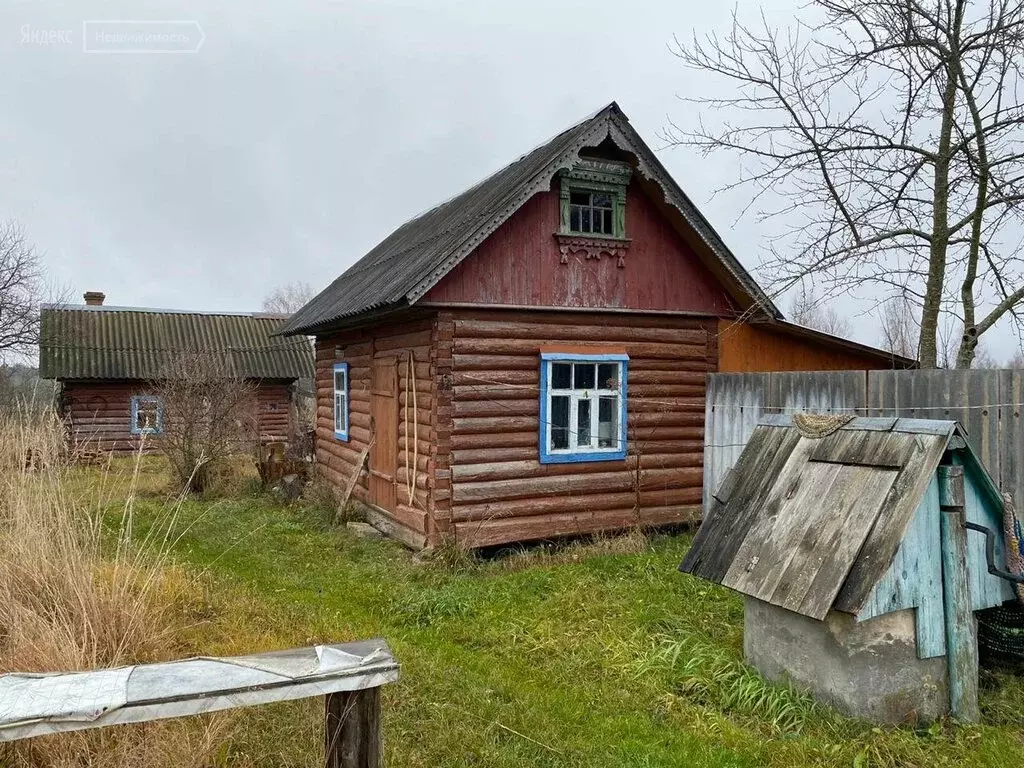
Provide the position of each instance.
(559, 422)
(608, 422)
(574, 219)
(560, 373)
(608, 223)
(608, 376)
(339, 379)
(579, 198)
(602, 201)
(585, 220)
(339, 412)
(583, 436)
(583, 376)
(147, 416)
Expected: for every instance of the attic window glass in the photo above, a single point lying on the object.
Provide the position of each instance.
(341, 401)
(591, 213)
(583, 407)
(147, 415)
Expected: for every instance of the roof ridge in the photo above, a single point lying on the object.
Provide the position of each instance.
(162, 311)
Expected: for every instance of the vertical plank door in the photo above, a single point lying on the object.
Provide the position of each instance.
(384, 422)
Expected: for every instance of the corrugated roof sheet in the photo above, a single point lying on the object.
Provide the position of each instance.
(132, 343)
(418, 254)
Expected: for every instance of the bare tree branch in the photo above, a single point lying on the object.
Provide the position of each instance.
(887, 135)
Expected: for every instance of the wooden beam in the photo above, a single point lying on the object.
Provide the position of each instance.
(961, 631)
(352, 737)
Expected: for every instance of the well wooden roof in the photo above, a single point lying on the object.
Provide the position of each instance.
(413, 258)
(128, 343)
(811, 524)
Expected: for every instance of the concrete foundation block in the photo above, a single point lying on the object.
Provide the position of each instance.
(865, 669)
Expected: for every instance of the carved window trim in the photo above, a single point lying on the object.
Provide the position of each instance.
(595, 176)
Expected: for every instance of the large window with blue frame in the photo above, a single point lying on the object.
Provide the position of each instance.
(147, 415)
(341, 401)
(582, 407)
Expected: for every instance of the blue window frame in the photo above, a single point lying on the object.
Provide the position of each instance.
(341, 401)
(147, 415)
(582, 407)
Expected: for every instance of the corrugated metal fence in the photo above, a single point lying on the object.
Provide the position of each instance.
(987, 402)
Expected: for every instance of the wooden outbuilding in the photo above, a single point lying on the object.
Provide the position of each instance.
(849, 539)
(107, 360)
(528, 359)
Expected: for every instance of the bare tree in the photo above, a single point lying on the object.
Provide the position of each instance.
(807, 310)
(21, 286)
(889, 134)
(288, 299)
(899, 328)
(983, 358)
(203, 413)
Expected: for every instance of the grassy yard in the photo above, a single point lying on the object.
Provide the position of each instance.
(600, 655)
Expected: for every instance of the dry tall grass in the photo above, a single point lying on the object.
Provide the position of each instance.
(76, 595)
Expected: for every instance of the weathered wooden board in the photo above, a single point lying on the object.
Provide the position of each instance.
(885, 537)
(720, 535)
(734, 404)
(809, 532)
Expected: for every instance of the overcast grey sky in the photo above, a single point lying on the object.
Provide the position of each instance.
(301, 133)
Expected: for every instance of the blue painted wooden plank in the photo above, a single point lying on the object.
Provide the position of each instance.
(914, 580)
(987, 591)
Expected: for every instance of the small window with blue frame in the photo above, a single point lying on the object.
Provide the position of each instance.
(147, 415)
(341, 401)
(583, 407)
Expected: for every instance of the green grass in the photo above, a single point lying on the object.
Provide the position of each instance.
(586, 660)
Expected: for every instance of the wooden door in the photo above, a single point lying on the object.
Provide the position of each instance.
(384, 422)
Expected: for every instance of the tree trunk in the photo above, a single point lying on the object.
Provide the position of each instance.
(928, 344)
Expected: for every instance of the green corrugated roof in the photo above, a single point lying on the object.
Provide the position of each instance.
(96, 342)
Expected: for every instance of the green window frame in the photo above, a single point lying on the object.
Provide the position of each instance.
(593, 199)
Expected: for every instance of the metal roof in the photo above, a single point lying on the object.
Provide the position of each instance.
(122, 343)
(811, 524)
(406, 264)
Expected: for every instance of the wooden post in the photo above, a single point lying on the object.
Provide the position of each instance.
(961, 633)
(352, 730)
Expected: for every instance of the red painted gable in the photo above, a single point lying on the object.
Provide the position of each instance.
(521, 265)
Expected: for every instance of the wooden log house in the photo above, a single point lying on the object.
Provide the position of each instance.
(528, 359)
(107, 360)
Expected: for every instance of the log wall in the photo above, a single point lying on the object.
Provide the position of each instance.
(500, 492)
(99, 413)
(412, 343)
(273, 411)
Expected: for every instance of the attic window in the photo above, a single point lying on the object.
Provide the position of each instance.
(593, 199)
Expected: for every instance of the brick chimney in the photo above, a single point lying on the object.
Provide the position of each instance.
(94, 298)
